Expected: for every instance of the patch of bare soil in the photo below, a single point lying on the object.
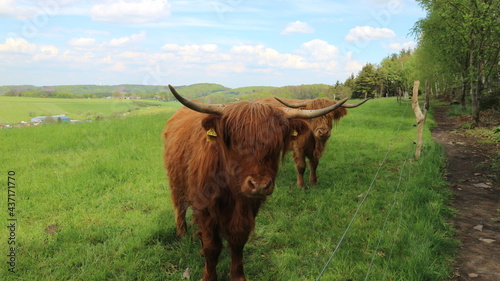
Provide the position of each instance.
(476, 199)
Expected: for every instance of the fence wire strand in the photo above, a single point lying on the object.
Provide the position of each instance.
(364, 197)
(387, 217)
(400, 222)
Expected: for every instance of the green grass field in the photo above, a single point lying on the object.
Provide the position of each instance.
(92, 203)
(17, 109)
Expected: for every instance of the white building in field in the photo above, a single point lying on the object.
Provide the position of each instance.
(41, 119)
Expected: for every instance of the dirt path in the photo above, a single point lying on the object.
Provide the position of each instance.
(476, 198)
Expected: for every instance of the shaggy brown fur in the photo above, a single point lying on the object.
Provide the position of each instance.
(312, 144)
(226, 178)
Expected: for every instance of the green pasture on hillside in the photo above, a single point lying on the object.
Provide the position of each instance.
(17, 109)
(92, 203)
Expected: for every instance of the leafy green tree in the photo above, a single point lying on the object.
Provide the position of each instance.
(339, 91)
(406, 67)
(367, 84)
(386, 72)
(12, 93)
(350, 82)
(462, 39)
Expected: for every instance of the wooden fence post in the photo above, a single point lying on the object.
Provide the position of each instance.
(419, 115)
(400, 95)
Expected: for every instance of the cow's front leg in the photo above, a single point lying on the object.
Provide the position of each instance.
(236, 244)
(300, 163)
(208, 232)
(313, 164)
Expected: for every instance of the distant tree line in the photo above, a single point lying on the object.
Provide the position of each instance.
(393, 74)
(46, 94)
(88, 91)
(68, 95)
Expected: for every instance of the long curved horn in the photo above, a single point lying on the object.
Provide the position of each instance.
(292, 105)
(302, 104)
(196, 106)
(355, 105)
(308, 114)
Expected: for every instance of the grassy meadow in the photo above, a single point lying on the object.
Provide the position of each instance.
(92, 203)
(17, 109)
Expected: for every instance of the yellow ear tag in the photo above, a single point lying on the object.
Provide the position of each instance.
(295, 133)
(211, 134)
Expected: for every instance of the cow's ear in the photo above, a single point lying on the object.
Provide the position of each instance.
(210, 126)
(298, 127)
(339, 113)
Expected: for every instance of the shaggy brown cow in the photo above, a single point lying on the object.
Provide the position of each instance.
(312, 144)
(222, 161)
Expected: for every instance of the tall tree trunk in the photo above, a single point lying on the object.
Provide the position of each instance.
(476, 96)
(475, 75)
(463, 92)
(427, 95)
(436, 84)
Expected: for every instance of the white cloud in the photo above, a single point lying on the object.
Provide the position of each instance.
(83, 42)
(131, 55)
(396, 46)
(40, 11)
(246, 49)
(162, 57)
(297, 27)
(268, 57)
(363, 33)
(200, 55)
(127, 11)
(209, 48)
(46, 53)
(236, 67)
(107, 59)
(319, 50)
(17, 45)
(353, 66)
(118, 66)
(207, 60)
(271, 57)
(190, 49)
(80, 58)
(7, 7)
(123, 41)
(11, 8)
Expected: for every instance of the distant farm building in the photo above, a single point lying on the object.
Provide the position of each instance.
(124, 98)
(56, 118)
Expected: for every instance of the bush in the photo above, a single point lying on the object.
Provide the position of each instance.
(490, 101)
(49, 120)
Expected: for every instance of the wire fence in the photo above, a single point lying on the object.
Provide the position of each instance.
(394, 203)
(396, 235)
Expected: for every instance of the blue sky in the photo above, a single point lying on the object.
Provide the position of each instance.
(235, 43)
